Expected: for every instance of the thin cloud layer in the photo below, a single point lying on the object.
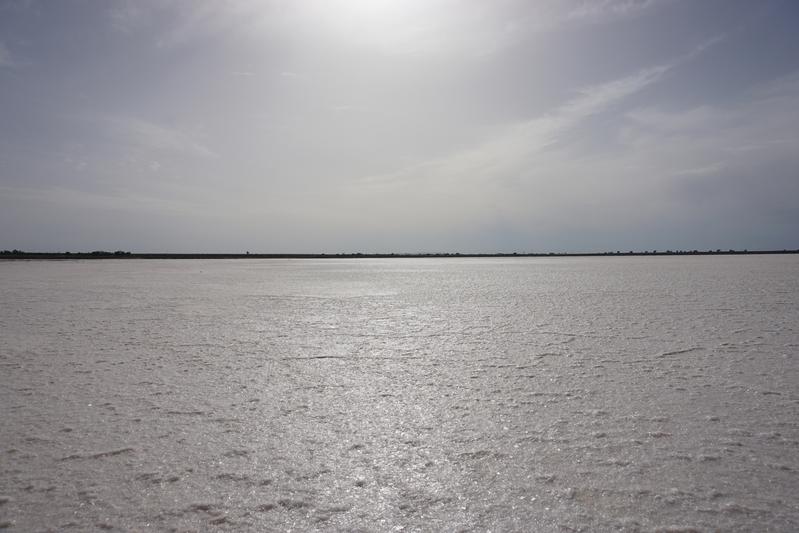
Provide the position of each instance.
(399, 126)
(5, 57)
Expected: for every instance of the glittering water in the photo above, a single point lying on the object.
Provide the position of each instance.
(400, 395)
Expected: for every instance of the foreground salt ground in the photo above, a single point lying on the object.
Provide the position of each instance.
(636, 394)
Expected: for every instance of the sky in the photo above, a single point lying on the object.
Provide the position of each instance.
(291, 126)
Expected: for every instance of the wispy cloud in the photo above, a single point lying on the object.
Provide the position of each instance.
(149, 135)
(526, 173)
(595, 99)
(695, 140)
(519, 141)
(705, 170)
(513, 147)
(605, 9)
(65, 197)
(6, 59)
(676, 121)
(125, 16)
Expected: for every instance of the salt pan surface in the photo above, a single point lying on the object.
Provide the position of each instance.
(655, 394)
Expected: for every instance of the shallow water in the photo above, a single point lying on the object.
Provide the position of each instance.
(569, 394)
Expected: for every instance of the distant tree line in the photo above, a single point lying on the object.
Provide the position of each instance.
(95, 252)
(103, 252)
(20, 254)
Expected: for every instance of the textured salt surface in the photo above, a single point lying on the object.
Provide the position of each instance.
(654, 394)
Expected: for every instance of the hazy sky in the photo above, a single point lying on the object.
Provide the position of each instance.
(399, 126)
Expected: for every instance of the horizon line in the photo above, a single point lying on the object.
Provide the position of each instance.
(120, 254)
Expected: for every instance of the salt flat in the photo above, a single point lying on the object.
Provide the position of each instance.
(569, 394)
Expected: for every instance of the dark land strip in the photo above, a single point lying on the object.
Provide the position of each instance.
(21, 255)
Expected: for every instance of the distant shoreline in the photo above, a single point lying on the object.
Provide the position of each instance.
(19, 255)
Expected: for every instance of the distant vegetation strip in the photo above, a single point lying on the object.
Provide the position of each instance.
(119, 254)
